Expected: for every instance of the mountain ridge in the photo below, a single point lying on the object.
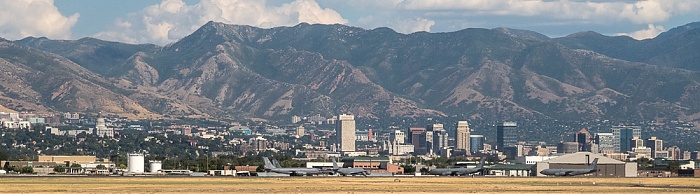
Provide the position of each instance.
(225, 70)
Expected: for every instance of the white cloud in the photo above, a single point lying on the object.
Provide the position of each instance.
(651, 32)
(397, 23)
(640, 12)
(22, 18)
(173, 19)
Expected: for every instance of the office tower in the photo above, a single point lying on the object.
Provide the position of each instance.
(440, 138)
(345, 132)
(397, 136)
(622, 136)
(606, 143)
(437, 136)
(583, 138)
(476, 143)
(414, 138)
(636, 142)
(462, 136)
(506, 135)
(656, 145)
(300, 131)
(675, 153)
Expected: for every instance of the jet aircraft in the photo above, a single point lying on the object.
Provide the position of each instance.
(291, 171)
(349, 171)
(572, 172)
(458, 171)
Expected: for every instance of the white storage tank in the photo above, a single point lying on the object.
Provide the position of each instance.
(155, 166)
(136, 163)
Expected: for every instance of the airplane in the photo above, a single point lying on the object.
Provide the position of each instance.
(458, 171)
(572, 172)
(291, 171)
(349, 171)
(276, 163)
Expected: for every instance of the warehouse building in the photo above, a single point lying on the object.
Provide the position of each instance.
(607, 167)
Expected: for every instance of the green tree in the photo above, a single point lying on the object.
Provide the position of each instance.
(59, 168)
(76, 166)
(644, 163)
(26, 170)
(424, 170)
(122, 166)
(101, 167)
(4, 155)
(408, 169)
(260, 168)
(674, 166)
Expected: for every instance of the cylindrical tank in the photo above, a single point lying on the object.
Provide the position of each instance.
(136, 163)
(155, 166)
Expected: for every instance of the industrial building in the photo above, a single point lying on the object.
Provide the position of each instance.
(607, 167)
(373, 164)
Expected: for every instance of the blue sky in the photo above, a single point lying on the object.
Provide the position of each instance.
(165, 21)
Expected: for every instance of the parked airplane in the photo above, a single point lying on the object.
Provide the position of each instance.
(458, 171)
(349, 171)
(291, 171)
(276, 163)
(572, 172)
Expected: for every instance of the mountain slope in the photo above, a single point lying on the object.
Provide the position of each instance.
(232, 70)
(34, 80)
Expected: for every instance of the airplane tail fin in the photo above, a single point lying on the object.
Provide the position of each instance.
(481, 163)
(276, 163)
(268, 164)
(594, 164)
(335, 164)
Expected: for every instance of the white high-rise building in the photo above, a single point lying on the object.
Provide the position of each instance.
(397, 136)
(462, 136)
(345, 132)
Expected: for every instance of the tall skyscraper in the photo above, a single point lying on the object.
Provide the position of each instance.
(414, 137)
(506, 136)
(476, 143)
(656, 145)
(622, 136)
(439, 138)
(462, 136)
(606, 143)
(345, 132)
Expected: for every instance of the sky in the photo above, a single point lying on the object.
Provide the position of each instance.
(165, 21)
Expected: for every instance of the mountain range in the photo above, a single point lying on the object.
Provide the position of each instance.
(238, 71)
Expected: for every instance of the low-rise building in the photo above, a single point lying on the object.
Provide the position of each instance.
(607, 167)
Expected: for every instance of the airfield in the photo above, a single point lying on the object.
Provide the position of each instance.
(345, 185)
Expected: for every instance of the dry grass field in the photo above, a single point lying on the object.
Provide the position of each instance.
(345, 185)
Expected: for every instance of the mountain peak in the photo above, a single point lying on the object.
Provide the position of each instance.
(584, 34)
(524, 34)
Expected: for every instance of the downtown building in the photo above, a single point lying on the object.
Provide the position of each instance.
(462, 137)
(507, 139)
(345, 133)
(622, 137)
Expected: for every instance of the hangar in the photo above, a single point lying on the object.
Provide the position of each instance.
(607, 167)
